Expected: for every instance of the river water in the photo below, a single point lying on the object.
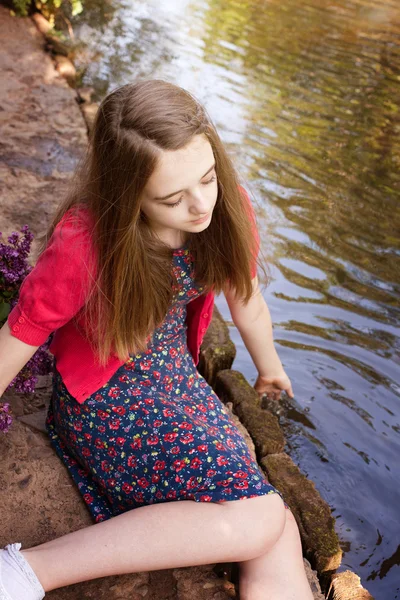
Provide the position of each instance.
(306, 96)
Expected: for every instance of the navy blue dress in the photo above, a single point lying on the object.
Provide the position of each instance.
(156, 431)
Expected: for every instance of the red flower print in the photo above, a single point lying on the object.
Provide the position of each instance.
(220, 446)
(87, 436)
(157, 423)
(230, 443)
(149, 401)
(102, 414)
(143, 482)
(111, 482)
(169, 366)
(132, 461)
(140, 422)
(170, 436)
(106, 466)
(145, 365)
(88, 498)
(126, 487)
(167, 412)
(224, 483)
(159, 465)
(99, 518)
(159, 494)
(78, 426)
(120, 410)
(195, 463)
(152, 440)
(77, 409)
(112, 451)
(202, 408)
(99, 443)
(156, 375)
(171, 495)
(114, 392)
(187, 438)
(185, 425)
(205, 498)
(138, 497)
(175, 450)
(101, 429)
(146, 383)
(222, 460)
(114, 424)
(202, 448)
(241, 485)
(178, 364)
(86, 452)
(98, 397)
(192, 483)
(123, 378)
(155, 478)
(178, 465)
(168, 387)
(134, 407)
(241, 474)
(188, 410)
(211, 472)
(120, 441)
(137, 443)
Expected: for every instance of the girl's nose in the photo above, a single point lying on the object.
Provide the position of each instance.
(199, 205)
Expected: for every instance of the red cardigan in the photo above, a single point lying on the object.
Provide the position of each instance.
(53, 293)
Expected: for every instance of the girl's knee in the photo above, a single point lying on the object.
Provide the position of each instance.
(257, 524)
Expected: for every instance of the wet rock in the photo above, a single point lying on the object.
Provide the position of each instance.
(89, 111)
(66, 68)
(263, 427)
(200, 583)
(312, 513)
(347, 586)
(217, 351)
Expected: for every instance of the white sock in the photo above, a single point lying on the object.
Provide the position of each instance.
(17, 578)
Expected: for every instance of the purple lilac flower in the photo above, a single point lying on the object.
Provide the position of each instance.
(5, 418)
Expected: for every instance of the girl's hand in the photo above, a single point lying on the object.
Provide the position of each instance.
(273, 385)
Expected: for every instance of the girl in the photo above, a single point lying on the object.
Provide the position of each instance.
(156, 224)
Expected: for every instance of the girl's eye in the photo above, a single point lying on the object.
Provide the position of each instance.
(176, 203)
(213, 178)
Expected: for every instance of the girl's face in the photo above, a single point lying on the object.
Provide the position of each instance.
(182, 189)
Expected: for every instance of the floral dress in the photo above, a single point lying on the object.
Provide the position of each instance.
(156, 431)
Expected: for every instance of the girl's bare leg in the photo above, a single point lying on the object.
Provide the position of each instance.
(279, 573)
(161, 536)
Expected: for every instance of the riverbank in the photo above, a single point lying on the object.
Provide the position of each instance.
(44, 134)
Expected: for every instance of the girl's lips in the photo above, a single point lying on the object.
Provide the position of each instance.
(202, 219)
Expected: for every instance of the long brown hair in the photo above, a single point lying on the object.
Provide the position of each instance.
(133, 288)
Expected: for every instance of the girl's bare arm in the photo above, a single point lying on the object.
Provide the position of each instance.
(14, 354)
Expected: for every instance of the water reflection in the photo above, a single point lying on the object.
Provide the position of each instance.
(306, 96)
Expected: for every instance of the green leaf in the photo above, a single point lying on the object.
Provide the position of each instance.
(4, 310)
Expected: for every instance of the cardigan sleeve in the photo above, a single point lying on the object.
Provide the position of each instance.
(254, 229)
(56, 288)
